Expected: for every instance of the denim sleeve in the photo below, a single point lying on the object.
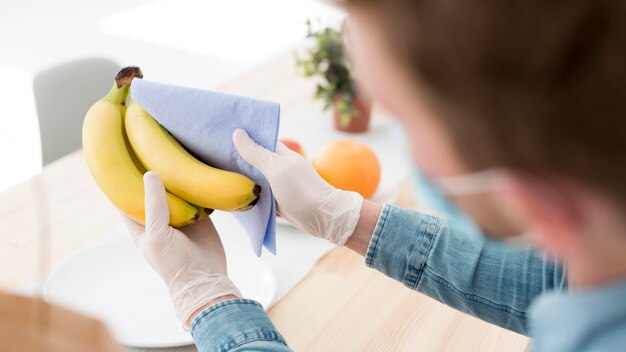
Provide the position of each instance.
(236, 325)
(484, 278)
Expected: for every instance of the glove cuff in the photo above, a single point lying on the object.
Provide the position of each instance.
(342, 210)
(198, 292)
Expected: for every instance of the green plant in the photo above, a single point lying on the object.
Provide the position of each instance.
(328, 61)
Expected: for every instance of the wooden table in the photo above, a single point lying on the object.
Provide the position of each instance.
(340, 306)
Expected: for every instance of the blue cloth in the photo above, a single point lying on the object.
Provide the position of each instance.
(586, 320)
(203, 121)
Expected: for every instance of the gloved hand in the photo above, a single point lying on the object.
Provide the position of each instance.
(303, 197)
(190, 260)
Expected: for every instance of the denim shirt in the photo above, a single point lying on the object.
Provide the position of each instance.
(489, 280)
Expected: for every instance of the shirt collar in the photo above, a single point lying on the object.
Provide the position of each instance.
(568, 320)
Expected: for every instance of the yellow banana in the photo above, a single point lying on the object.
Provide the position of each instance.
(183, 174)
(110, 159)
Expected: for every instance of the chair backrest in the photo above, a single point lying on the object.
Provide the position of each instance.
(63, 94)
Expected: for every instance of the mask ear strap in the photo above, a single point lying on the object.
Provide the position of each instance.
(469, 184)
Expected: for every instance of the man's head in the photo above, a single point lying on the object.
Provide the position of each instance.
(535, 87)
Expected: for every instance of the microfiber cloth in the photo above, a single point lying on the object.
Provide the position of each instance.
(203, 122)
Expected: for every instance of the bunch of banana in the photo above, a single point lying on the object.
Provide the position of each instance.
(121, 143)
(183, 174)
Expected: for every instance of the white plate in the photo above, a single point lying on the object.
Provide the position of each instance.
(111, 281)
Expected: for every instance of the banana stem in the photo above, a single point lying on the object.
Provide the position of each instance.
(117, 95)
(126, 75)
(119, 91)
(131, 101)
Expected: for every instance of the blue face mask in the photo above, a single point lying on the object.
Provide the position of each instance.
(431, 197)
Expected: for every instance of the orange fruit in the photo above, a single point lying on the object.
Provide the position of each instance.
(293, 145)
(349, 165)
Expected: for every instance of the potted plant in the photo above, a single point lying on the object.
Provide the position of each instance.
(337, 87)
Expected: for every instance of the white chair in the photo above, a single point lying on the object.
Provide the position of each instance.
(63, 94)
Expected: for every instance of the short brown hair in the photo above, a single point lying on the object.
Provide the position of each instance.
(536, 85)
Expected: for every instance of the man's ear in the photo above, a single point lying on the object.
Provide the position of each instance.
(546, 209)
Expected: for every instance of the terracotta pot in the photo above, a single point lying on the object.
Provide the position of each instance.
(358, 123)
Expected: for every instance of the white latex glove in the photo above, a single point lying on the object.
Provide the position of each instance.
(190, 260)
(303, 197)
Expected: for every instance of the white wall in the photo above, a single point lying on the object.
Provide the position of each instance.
(198, 43)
